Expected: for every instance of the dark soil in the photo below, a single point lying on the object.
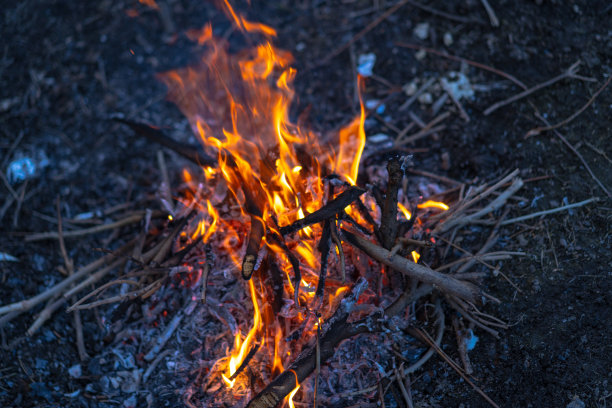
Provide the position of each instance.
(67, 66)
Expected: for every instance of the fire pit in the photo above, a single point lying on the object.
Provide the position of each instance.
(297, 267)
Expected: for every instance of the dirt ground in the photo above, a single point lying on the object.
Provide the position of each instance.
(67, 66)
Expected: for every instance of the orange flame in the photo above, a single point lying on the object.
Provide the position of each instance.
(239, 107)
(406, 213)
(240, 347)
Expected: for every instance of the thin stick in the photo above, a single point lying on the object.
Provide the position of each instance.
(570, 72)
(459, 220)
(422, 273)
(577, 153)
(463, 60)
(551, 211)
(414, 97)
(419, 135)
(43, 316)
(338, 243)
(93, 230)
(154, 364)
(423, 334)
(27, 304)
(360, 34)
(448, 16)
(491, 13)
(435, 177)
(461, 346)
(78, 326)
(540, 129)
(399, 379)
(161, 340)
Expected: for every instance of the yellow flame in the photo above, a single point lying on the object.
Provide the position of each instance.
(241, 347)
(289, 397)
(415, 256)
(433, 204)
(404, 211)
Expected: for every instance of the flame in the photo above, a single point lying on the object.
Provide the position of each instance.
(407, 214)
(352, 142)
(241, 347)
(247, 26)
(289, 398)
(433, 204)
(238, 105)
(415, 256)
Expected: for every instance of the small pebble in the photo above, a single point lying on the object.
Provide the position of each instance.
(421, 31)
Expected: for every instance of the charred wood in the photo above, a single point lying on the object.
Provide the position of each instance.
(388, 219)
(329, 210)
(445, 283)
(152, 133)
(255, 237)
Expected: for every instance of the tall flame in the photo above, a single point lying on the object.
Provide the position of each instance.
(239, 107)
(241, 347)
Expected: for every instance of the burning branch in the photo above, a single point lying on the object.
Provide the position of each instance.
(329, 210)
(445, 283)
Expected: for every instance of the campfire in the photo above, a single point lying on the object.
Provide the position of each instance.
(315, 282)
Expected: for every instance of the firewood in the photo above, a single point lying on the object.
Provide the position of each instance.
(446, 283)
(329, 210)
(191, 153)
(255, 237)
(388, 221)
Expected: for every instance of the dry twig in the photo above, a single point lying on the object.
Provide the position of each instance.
(569, 73)
(540, 129)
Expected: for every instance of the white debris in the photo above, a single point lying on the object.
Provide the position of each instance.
(365, 64)
(421, 31)
(458, 85)
(410, 88)
(420, 54)
(447, 39)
